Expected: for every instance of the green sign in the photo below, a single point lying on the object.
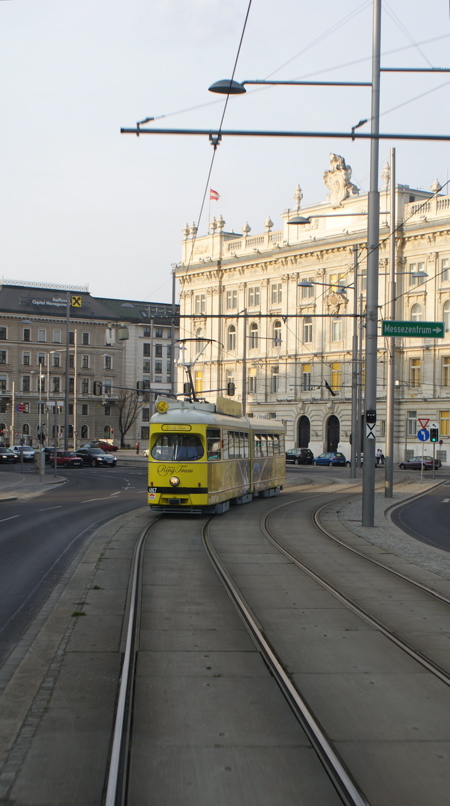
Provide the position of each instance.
(414, 330)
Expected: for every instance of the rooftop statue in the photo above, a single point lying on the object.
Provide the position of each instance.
(337, 180)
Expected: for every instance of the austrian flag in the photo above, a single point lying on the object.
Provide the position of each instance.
(213, 195)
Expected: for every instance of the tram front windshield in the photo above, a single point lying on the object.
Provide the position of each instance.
(177, 447)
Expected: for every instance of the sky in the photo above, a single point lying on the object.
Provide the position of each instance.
(84, 205)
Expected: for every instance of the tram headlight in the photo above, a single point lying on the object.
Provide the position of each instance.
(174, 481)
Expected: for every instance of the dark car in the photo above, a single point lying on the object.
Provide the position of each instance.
(415, 463)
(332, 459)
(7, 456)
(299, 456)
(95, 457)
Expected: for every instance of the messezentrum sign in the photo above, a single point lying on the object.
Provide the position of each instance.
(419, 330)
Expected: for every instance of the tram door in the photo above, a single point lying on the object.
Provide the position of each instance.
(333, 433)
(304, 432)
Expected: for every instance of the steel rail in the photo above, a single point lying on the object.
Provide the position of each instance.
(338, 773)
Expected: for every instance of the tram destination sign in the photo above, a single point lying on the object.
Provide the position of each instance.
(414, 330)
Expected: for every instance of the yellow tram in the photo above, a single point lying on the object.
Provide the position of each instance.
(205, 456)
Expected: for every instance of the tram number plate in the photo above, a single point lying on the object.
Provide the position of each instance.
(174, 500)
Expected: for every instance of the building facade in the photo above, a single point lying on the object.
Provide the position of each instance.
(57, 342)
(281, 314)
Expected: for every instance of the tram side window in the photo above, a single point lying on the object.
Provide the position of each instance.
(258, 445)
(231, 448)
(270, 450)
(276, 444)
(177, 447)
(213, 444)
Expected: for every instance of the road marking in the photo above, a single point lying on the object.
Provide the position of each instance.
(117, 493)
(445, 500)
(10, 519)
(48, 508)
(88, 500)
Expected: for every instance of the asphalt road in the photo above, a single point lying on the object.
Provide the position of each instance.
(428, 517)
(40, 537)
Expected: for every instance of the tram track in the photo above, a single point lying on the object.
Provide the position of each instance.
(216, 536)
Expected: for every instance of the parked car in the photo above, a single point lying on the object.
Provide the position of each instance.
(99, 443)
(415, 463)
(6, 455)
(145, 452)
(96, 457)
(299, 456)
(25, 451)
(332, 459)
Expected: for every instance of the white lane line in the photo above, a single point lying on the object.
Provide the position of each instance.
(117, 493)
(88, 500)
(445, 500)
(10, 519)
(48, 508)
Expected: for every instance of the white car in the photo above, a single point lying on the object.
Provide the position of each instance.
(28, 453)
(145, 452)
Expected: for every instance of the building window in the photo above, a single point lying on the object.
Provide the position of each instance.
(56, 360)
(336, 330)
(146, 349)
(200, 303)
(229, 377)
(414, 268)
(84, 432)
(85, 386)
(107, 385)
(446, 313)
(147, 333)
(411, 423)
(307, 330)
(158, 350)
(253, 296)
(3, 334)
(3, 383)
(85, 338)
(145, 415)
(2, 356)
(26, 383)
(71, 386)
(158, 369)
(144, 432)
(72, 337)
(416, 313)
(26, 334)
(56, 337)
(84, 409)
(307, 291)
(445, 268)
(26, 429)
(275, 379)
(158, 333)
(231, 339)
(363, 280)
(56, 385)
(198, 381)
(169, 351)
(277, 333)
(71, 361)
(107, 410)
(84, 362)
(414, 371)
(336, 280)
(26, 359)
(446, 371)
(336, 377)
(306, 377)
(107, 362)
(444, 423)
(146, 366)
(42, 335)
(276, 294)
(253, 336)
(252, 381)
(232, 299)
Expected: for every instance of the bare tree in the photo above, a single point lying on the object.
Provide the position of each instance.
(129, 404)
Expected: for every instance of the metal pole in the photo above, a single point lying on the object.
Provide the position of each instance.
(75, 390)
(354, 423)
(66, 396)
(390, 405)
(373, 227)
(244, 367)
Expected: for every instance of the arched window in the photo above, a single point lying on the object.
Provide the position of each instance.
(447, 316)
(26, 429)
(231, 337)
(416, 313)
(277, 333)
(107, 432)
(253, 336)
(84, 432)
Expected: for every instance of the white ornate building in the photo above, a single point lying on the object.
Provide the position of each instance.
(288, 348)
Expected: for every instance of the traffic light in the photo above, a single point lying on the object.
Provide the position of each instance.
(98, 387)
(140, 387)
(187, 388)
(230, 388)
(434, 434)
